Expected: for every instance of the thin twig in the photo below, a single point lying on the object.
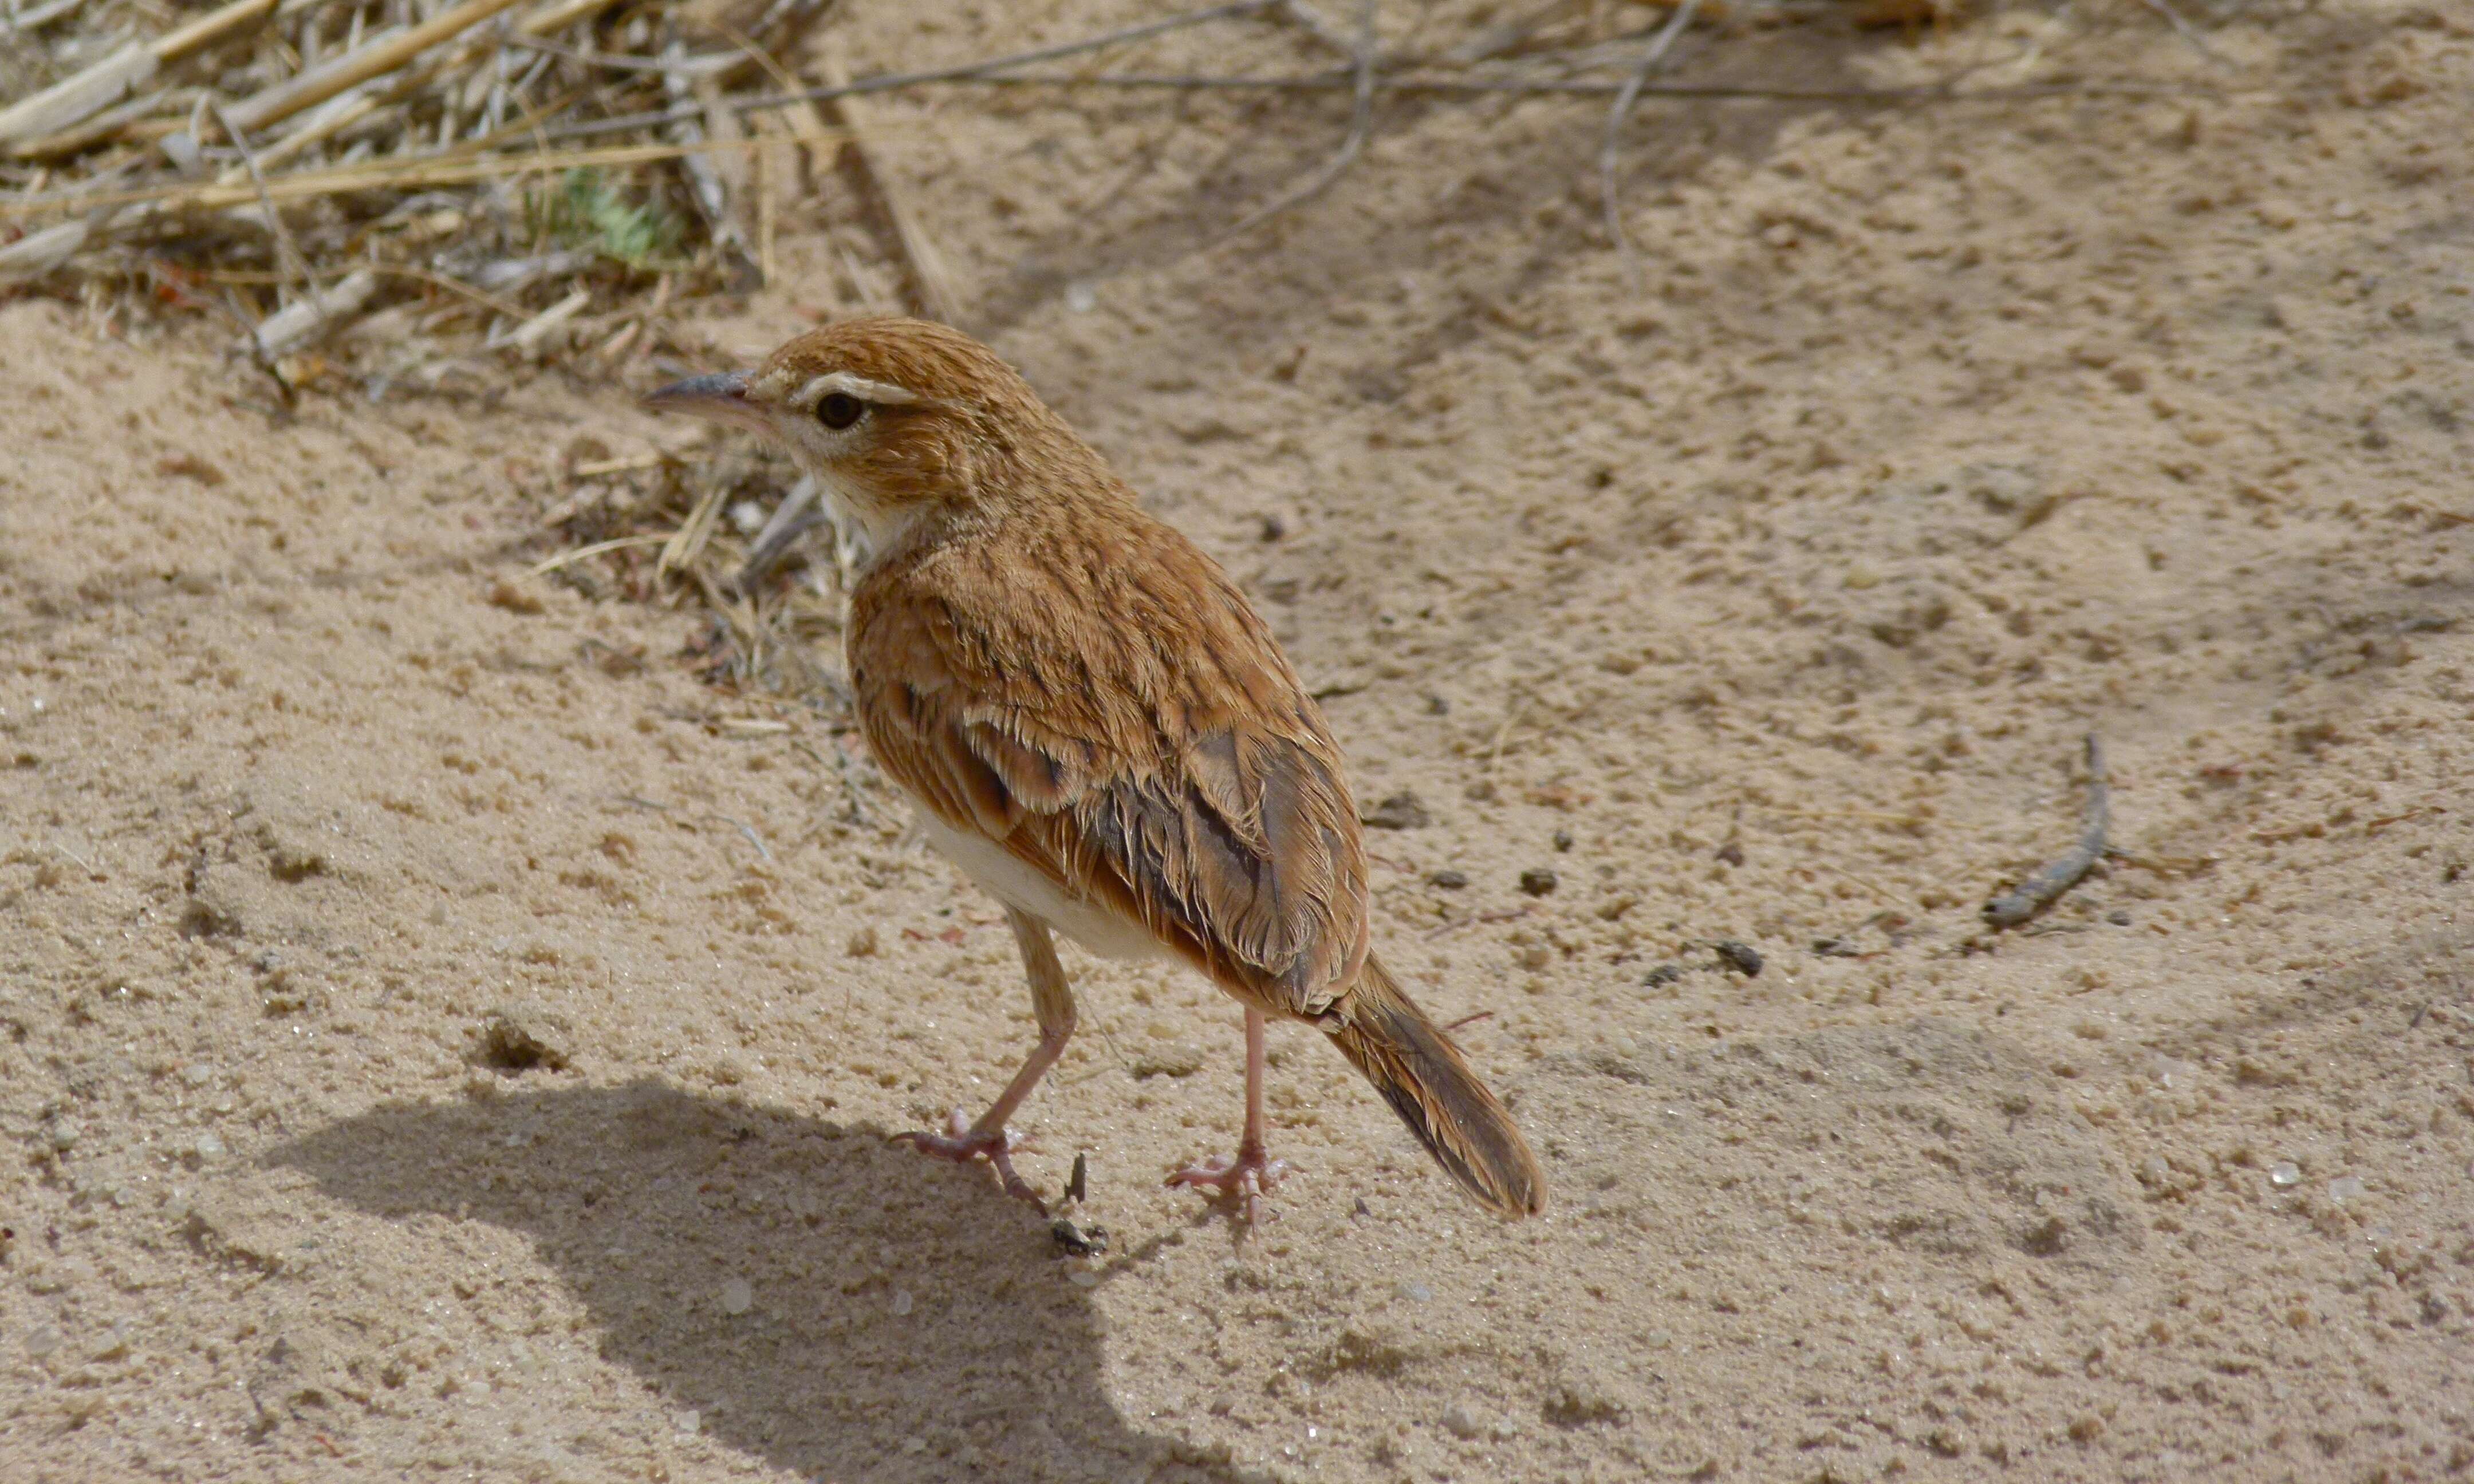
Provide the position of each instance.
(615, 61)
(1361, 123)
(101, 85)
(688, 542)
(1620, 110)
(314, 314)
(296, 268)
(931, 287)
(804, 124)
(816, 137)
(390, 50)
(458, 166)
(751, 835)
(1415, 84)
(711, 192)
(1310, 20)
(614, 544)
(2033, 894)
(890, 81)
(465, 163)
(477, 295)
(36, 18)
(229, 303)
(795, 516)
(2188, 32)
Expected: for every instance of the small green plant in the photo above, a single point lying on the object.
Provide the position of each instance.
(590, 210)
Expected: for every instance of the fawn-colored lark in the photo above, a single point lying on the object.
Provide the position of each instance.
(1099, 730)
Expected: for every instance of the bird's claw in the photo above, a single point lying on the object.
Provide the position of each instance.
(964, 1142)
(1241, 1180)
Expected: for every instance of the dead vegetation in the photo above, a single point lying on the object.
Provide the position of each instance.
(414, 197)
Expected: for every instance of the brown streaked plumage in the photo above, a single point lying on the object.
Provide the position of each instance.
(1097, 729)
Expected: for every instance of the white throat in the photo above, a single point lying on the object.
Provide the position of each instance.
(864, 529)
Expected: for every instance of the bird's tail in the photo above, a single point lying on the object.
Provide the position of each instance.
(1421, 1074)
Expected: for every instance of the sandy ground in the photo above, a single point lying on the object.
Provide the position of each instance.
(1766, 597)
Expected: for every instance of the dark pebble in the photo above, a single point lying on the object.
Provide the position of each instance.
(1833, 947)
(1732, 853)
(1663, 973)
(1562, 840)
(1741, 957)
(1076, 1241)
(1448, 881)
(1538, 880)
(1400, 811)
(2118, 917)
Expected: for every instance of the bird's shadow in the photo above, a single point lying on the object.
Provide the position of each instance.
(818, 1298)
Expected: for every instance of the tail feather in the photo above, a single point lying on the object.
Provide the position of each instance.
(1421, 1074)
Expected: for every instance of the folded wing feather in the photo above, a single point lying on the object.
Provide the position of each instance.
(1186, 781)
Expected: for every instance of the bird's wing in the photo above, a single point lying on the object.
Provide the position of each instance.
(1117, 717)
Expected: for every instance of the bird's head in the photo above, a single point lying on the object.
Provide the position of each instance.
(897, 421)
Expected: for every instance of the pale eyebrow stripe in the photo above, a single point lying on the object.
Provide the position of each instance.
(853, 384)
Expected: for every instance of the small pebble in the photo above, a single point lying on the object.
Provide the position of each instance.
(1562, 840)
(1084, 1277)
(1730, 854)
(1538, 880)
(1663, 973)
(1081, 299)
(689, 1423)
(901, 1300)
(1074, 1241)
(1400, 811)
(42, 1341)
(2348, 1187)
(210, 1147)
(1448, 881)
(737, 1296)
(1741, 957)
(1413, 1291)
(1461, 1423)
(2118, 917)
(2285, 1172)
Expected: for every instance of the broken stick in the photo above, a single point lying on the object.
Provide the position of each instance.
(2033, 894)
(931, 288)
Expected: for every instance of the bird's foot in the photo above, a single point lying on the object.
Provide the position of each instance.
(964, 1142)
(1241, 1181)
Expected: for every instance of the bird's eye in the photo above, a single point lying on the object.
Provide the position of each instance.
(839, 410)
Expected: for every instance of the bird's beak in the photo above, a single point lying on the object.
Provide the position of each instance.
(721, 397)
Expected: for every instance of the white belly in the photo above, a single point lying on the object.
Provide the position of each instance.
(1021, 887)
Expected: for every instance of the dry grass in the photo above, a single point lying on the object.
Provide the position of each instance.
(305, 166)
(401, 197)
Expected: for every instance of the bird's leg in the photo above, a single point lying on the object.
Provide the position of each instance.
(1052, 1001)
(1253, 1170)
